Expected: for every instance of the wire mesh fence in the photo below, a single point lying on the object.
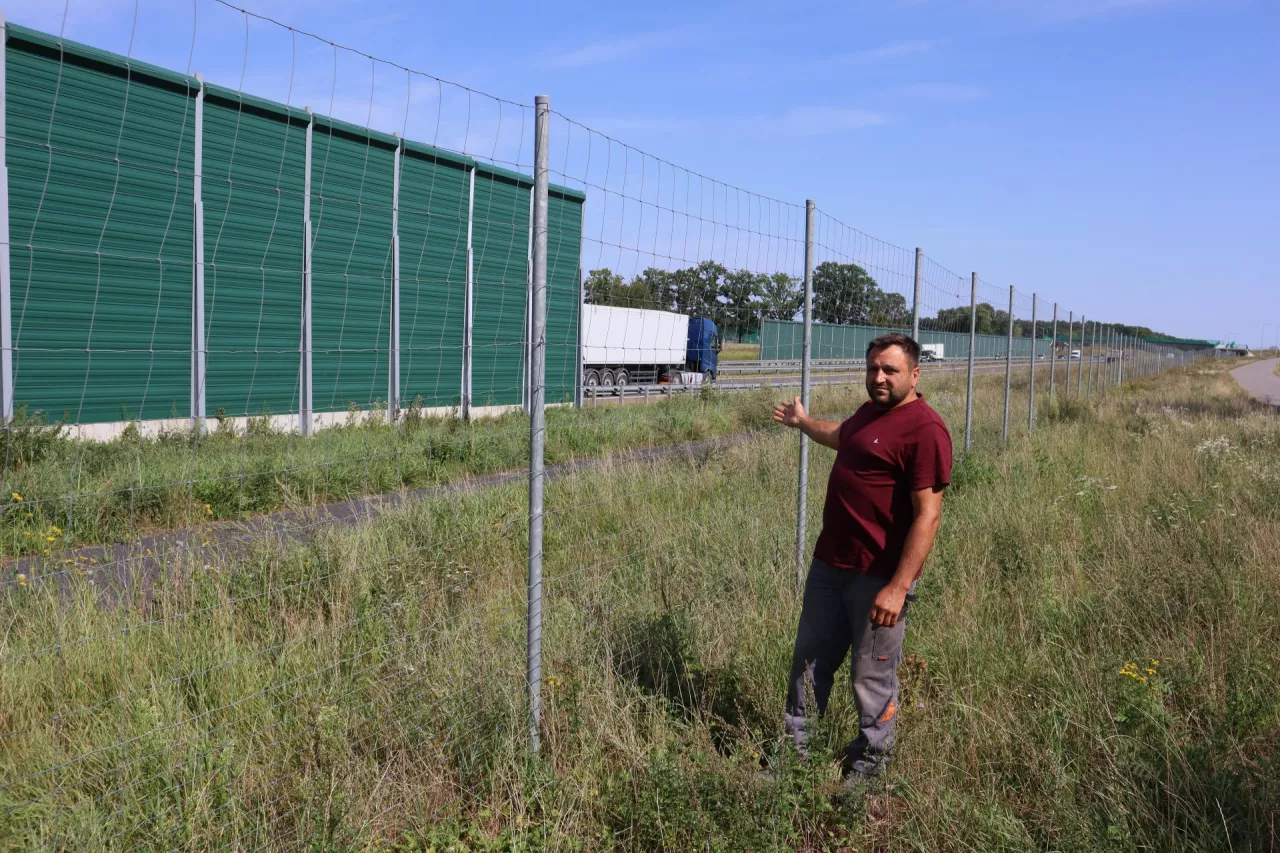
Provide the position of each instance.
(363, 432)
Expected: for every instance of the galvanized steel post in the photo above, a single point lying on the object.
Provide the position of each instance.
(526, 393)
(467, 309)
(393, 361)
(1031, 393)
(973, 342)
(1120, 366)
(1104, 365)
(1080, 370)
(304, 344)
(1093, 347)
(6, 303)
(198, 346)
(915, 298)
(1071, 331)
(1053, 352)
(538, 414)
(1008, 368)
(802, 495)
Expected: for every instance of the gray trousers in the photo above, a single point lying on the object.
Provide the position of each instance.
(835, 618)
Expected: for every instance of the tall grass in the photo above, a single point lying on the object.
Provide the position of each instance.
(366, 691)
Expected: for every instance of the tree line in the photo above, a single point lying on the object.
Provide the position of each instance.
(737, 300)
(844, 294)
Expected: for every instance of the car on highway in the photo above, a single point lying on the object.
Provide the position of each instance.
(1075, 353)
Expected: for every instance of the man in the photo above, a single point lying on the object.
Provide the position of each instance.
(884, 504)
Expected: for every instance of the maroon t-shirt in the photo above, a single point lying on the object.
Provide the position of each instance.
(883, 458)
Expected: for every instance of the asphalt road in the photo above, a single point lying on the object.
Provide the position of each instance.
(1260, 380)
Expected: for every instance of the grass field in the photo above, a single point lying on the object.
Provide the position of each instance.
(740, 352)
(83, 492)
(57, 493)
(1092, 664)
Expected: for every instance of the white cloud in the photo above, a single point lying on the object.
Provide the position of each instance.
(950, 93)
(883, 53)
(893, 50)
(798, 121)
(820, 121)
(616, 50)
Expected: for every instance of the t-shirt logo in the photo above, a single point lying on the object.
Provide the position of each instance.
(876, 441)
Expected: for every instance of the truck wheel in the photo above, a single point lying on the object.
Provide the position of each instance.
(606, 378)
(591, 379)
(621, 378)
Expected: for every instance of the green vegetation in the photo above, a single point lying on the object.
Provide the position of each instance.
(115, 491)
(1092, 664)
(740, 352)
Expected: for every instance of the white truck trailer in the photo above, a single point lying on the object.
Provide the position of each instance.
(625, 346)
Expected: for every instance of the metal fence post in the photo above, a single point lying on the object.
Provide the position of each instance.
(1031, 393)
(802, 496)
(1008, 368)
(467, 308)
(915, 297)
(537, 421)
(1053, 353)
(305, 412)
(1093, 347)
(199, 350)
(1071, 331)
(1080, 370)
(1104, 364)
(393, 345)
(582, 301)
(973, 342)
(1120, 366)
(6, 303)
(526, 378)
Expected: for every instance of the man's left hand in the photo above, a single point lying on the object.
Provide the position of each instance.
(888, 605)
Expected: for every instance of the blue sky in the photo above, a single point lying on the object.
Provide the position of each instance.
(1118, 156)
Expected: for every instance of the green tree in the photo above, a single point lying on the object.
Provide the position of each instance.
(847, 294)
(782, 296)
(887, 309)
(741, 295)
(605, 287)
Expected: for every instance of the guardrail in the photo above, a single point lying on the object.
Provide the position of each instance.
(828, 366)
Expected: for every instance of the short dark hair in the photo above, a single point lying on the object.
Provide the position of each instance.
(897, 339)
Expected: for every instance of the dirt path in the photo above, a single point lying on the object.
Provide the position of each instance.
(136, 566)
(1260, 380)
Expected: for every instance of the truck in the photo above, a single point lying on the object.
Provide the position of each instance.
(932, 352)
(628, 346)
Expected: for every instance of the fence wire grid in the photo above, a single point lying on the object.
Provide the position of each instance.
(364, 433)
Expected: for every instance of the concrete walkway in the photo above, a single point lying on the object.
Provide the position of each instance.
(1260, 380)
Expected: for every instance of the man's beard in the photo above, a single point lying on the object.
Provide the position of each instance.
(892, 400)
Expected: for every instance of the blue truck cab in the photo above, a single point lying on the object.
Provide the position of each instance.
(703, 352)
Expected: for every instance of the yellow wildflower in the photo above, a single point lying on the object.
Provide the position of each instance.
(51, 538)
(17, 498)
(56, 529)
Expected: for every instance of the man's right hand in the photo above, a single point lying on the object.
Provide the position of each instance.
(790, 414)
(793, 415)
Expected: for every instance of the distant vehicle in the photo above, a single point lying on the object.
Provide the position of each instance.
(623, 346)
(932, 352)
(1075, 353)
(1042, 357)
